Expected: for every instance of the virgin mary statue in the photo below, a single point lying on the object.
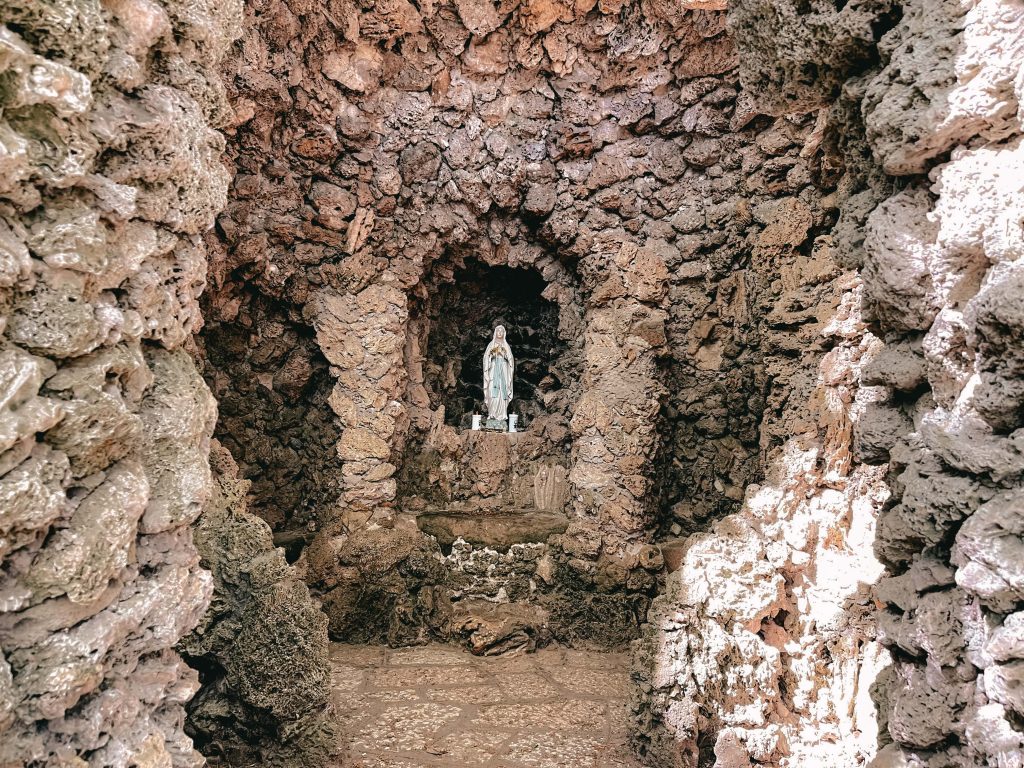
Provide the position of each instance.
(498, 368)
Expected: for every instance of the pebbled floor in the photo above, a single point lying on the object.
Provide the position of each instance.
(441, 707)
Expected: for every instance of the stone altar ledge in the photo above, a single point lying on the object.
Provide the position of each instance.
(496, 531)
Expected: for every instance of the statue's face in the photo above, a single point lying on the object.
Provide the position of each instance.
(499, 333)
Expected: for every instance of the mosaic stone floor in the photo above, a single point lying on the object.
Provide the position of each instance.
(439, 706)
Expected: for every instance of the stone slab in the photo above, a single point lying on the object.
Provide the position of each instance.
(441, 707)
(497, 531)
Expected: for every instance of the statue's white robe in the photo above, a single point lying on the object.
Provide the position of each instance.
(499, 365)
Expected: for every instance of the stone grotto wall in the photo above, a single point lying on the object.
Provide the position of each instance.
(921, 117)
(762, 648)
(109, 173)
(942, 265)
(280, 391)
(770, 261)
(389, 155)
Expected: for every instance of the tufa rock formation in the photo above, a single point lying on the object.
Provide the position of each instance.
(261, 648)
(762, 269)
(926, 127)
(110, 170)
(588, 175)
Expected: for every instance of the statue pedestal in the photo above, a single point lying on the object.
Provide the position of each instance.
(492, 425)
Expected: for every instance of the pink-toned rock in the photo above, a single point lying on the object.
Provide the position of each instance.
(359, 443)
(356, 67)
(480, 16)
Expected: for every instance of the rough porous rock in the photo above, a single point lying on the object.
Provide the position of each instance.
(951, 77)
(590, 176)
(380, 584)
(934, 97)
(261, 649)
(955, 470)
(798, 54)
(762, 272)
(762, 650)
(110, 170)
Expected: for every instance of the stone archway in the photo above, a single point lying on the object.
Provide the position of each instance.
(540, 306)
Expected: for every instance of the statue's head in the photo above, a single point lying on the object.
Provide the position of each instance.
(499, 333)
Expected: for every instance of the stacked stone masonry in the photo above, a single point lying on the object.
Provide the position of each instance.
(110, 170)
(920, 117)
(774, 423)
(261, 648)
(942, 265)
(385, 152)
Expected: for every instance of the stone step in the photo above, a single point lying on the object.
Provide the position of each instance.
(491, 629)
(495, 531)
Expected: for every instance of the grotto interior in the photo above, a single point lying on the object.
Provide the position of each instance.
(761, 264)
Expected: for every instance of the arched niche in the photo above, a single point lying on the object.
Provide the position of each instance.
(453, 312)
(462, 316)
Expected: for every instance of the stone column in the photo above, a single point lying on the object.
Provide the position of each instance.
(362, 335)
(614, 423)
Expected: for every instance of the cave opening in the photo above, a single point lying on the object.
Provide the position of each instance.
(272, 384)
